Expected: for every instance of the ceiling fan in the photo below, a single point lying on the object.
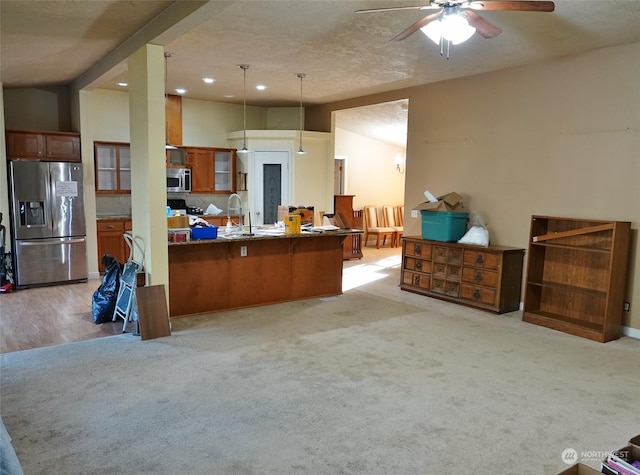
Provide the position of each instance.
(456, 20)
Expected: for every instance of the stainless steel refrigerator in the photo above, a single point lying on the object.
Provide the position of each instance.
(47, 219)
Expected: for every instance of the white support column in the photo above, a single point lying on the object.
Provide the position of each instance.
(148, 165)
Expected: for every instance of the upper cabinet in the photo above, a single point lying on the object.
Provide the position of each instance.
(173, 116)
(52, 146)
(113, 167)
(212, 169)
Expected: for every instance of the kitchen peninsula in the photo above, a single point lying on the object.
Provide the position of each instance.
(247, 271)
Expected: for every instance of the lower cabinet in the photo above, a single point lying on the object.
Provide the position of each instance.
(489, 278)
(111, 240)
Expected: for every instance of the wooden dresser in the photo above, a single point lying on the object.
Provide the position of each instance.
(488, 278)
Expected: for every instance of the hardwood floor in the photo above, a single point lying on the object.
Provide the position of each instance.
(45, 316)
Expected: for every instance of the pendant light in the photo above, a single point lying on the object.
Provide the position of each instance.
(300, 150)
(244, 148)
(167, 145)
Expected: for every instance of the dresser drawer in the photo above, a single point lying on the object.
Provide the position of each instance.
(486, 260)
(446, 271)
(418, 249)
(445, 287)
(421, 281)
(448, 255)
(478, 294)
(487, 278)
(411, 263)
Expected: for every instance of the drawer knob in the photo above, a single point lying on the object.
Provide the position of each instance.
(416, 280)
(480, 260)
(419, 265)
(478, 276)
(476, 294)
(418, 249)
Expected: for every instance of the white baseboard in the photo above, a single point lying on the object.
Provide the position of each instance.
(632, 332)
(94, 275)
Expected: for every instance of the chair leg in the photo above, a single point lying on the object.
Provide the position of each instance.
(378, 241)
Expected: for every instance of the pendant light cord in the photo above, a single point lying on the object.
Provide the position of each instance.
(301, 76)
(244, 68)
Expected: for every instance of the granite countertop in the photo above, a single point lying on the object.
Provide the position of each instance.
(222, 238)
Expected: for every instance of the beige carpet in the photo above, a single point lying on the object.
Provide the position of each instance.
(376, 381)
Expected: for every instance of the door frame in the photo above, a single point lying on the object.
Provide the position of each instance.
(267, 157)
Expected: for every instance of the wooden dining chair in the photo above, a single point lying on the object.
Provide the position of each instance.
(372, 228)
(390, 221)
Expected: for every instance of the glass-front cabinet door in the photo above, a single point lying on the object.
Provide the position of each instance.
(113, 167)
(224, 170)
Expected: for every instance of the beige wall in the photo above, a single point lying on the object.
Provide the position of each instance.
(560, 138)
(45, 108)
(370, 173)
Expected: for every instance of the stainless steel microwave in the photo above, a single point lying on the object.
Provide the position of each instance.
(178, 180)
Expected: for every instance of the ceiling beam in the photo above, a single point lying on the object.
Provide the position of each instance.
(169, 25)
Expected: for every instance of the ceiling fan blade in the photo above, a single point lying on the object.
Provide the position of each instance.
(483, 27)
(415, 27)
(520, 6)
(391, 9)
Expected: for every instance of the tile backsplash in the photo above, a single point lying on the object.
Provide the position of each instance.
(108, 205)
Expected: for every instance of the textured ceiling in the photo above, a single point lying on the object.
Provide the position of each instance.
(345, 55)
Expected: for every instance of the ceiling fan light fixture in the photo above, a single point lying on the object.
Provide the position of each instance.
(433, 31)
(451, 26)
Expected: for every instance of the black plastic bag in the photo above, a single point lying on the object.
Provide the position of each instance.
(104, 298)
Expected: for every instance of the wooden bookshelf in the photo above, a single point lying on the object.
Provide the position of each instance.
(576, 275)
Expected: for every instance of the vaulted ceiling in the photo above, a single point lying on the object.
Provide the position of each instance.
(344, 54)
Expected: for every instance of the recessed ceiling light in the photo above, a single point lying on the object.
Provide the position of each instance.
(180, 90)
(123, 84)
(261, 87)
(209, 80)
(228, 96)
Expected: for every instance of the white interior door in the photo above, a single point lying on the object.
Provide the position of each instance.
(272, 184)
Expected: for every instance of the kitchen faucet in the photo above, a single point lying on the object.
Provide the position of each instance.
(239, 209)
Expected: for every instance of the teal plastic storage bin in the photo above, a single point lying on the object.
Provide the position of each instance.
(443, 225)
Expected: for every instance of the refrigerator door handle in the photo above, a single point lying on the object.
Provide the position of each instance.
(49, 241)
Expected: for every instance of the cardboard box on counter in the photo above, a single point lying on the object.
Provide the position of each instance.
(179, 222)
(450, 202)
(579, 469)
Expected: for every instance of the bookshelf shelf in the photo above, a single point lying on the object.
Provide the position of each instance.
(576, 275)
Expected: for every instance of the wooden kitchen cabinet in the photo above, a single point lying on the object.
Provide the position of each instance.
(201, 162)
(221, 220)
(576, 275)
(50, 146)
(489, 278)
(212, 169)
(112, 167)
(111, 239)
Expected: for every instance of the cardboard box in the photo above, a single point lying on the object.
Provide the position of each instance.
(579, 469)
(292, 224)
(450, 202)
(179, 222)
(635, 441)
(620, 461)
